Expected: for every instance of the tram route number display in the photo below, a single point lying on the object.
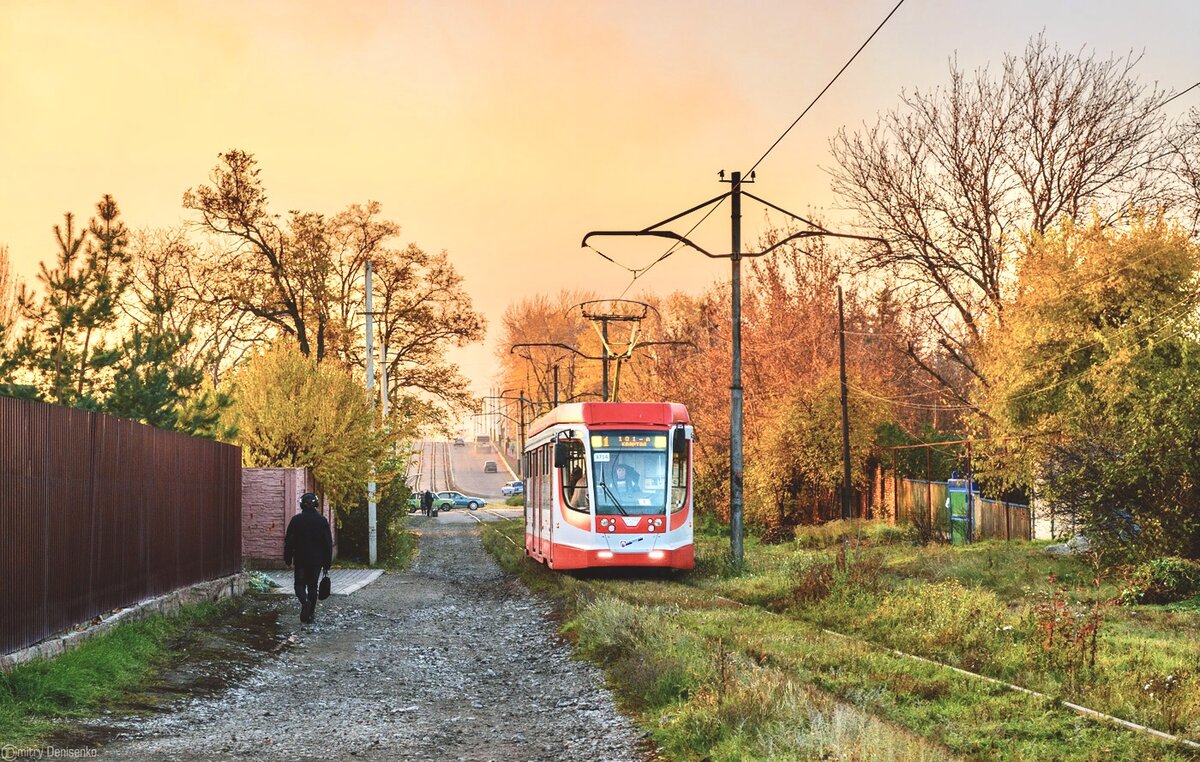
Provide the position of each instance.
(630, 442)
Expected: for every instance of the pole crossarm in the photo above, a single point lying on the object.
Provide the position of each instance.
(673, 236)
(781, 210)
(811, 234)
(820, 231)
(656, 233)
(686, 212)
(560, 345)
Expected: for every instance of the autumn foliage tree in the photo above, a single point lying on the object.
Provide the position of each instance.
(291, 411)
(541, 319)
(1093, 377)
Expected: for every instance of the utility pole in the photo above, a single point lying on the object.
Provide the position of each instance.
(736, 497)
(383, 382)
(521, 441)
(846, 512)
(735, 407)
(604, 358)
(555, 386)
(371, 529)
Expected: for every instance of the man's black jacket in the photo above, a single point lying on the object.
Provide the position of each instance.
(309, 541)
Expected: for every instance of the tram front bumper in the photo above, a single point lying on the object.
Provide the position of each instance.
(567, 557)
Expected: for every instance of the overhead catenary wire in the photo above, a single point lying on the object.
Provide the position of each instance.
(1177, 95)
(640, 271)
(825, 89)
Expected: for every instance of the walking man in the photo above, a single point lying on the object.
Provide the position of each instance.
(427, 502)
(309, 543)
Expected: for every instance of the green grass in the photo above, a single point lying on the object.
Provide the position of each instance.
(88, 678)
(711, 680)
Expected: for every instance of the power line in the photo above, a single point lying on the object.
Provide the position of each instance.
(826, 88)
(640, 271)
(1177, 95)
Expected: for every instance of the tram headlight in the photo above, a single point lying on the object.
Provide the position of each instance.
(604, 554)
(656, 555)
(611, 527)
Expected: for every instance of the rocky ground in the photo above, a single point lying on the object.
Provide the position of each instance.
(452, 660)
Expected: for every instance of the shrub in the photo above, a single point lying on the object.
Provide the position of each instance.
(391, 536)
(847, 571)
(1162, 580)
(946, 620)
(1067, 636)
(515, 500)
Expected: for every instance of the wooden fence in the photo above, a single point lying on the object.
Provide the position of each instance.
(97, 513)
(915, 501)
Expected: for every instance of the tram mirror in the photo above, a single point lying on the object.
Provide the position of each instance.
(562, 454)
(680, 443)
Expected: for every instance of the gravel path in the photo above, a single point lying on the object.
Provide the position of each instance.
(452, 660)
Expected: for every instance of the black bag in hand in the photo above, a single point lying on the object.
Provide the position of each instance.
(324, 588)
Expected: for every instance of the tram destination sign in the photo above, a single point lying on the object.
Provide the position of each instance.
(629, 441)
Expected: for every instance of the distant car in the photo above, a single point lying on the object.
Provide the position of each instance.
(458, 442)
(489, 467)
(439, 502)
(512, 488)
(459, 500)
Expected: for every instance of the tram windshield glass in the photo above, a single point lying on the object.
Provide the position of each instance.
(630, 472)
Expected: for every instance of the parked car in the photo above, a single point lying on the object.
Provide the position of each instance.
(512, 488)
(459, 500)
(489, 467)
(439, 502)
(458, 442)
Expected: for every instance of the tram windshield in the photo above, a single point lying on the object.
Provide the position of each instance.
(630, 472)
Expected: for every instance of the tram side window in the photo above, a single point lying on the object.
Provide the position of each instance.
(679, 473)
(575, 478)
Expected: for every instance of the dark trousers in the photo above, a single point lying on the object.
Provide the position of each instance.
(307, 578)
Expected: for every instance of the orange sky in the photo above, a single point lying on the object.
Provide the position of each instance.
(500, 131)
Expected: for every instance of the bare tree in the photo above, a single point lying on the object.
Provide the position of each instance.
(277, 272)
(1184, 147)
(956, 178)
(304, 277)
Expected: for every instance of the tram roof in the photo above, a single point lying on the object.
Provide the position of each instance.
(613, 413)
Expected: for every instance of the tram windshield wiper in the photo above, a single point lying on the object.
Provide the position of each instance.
(613, 498)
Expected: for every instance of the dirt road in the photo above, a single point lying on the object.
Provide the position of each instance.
(452, 660)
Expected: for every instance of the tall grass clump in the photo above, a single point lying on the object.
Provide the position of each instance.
(946, 621)
(654, 661)
(858, 531)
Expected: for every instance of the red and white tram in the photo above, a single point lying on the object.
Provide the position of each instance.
(610, 484)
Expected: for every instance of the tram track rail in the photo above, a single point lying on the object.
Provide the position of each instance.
(605, 587)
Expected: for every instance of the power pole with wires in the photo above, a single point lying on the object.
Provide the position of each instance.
(846, 512)
(736, 495)
(371, 528)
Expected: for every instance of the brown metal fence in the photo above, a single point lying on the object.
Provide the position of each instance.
(98, 512)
